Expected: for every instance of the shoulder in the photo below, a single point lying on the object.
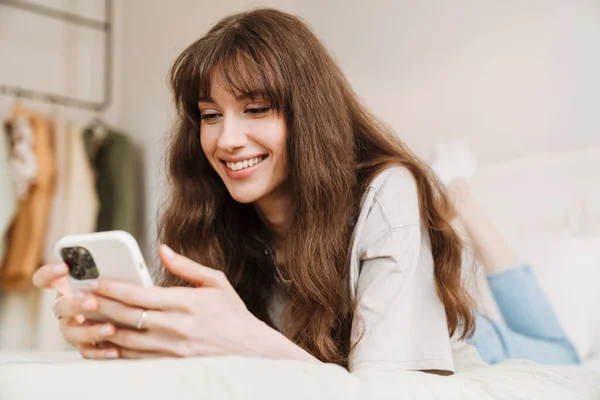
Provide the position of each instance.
(393, 178)
(394, 198)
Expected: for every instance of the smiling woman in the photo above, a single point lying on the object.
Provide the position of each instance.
(301, 227)
(243, 139)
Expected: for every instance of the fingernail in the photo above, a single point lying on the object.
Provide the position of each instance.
(87, 305)
(112, 354)
(80, 294)
(105, 330)
(59, 269)
(167, 252)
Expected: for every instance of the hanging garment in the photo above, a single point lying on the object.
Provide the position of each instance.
(114, 162)
(58, 203)
(75, 204)
(8, 197)
(26, 239)
(74, 211)
(23, 162)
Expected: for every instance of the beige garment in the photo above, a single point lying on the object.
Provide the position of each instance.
(75, 204)
(26, 239)
(74, 211)
(8, 197)
(82, 202)
(58, 210)
(400, 321)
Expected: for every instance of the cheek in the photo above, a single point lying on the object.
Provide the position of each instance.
(276, 135)
(281, 143)
(207, 143)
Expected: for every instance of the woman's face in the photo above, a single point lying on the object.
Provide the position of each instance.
(244, 141)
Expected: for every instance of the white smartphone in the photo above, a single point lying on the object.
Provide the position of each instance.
(112, 255)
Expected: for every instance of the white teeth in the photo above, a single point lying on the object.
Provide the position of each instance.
(236, 166)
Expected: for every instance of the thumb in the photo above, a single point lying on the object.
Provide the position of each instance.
(189, 270)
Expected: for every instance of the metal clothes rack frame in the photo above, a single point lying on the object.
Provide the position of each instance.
(104, 26)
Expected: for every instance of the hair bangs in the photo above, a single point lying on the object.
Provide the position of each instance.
(243, 76)
(242, 64)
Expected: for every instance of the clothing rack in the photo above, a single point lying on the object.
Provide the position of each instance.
(105, 26)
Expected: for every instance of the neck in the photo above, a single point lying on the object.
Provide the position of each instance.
(274, 210)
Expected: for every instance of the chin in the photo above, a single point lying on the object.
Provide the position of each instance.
(244, 197)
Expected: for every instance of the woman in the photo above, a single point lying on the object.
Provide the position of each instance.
(301, 228)
(530, 329)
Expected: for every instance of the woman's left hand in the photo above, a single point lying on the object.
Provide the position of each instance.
(208, 320)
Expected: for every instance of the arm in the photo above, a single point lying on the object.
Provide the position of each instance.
(400, 322)
(273, 344)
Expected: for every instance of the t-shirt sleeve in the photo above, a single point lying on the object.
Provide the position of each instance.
(400, 322)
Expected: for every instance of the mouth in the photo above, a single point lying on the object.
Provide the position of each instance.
(244, 164)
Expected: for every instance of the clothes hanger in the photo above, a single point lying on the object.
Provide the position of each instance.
(98, 127)
(95, 133)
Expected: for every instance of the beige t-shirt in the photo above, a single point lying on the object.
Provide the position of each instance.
(392, 282)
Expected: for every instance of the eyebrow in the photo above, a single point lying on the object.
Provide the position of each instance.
(208, 99)
(255, 94)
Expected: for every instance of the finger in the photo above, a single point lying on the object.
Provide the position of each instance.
(92, 352)
(128, 315)
(53, 276)
(66, 307)
(75, 321)
(148, 298)
(189, 270)
(144, 341)
(83, 334)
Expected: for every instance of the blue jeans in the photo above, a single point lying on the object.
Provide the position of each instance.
(531, 330)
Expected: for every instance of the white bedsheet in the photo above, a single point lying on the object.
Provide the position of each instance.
(65, 377)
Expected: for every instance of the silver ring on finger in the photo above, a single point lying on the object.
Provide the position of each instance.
(54, 303)
(140, 322)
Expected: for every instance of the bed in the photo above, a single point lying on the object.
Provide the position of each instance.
(67, 377)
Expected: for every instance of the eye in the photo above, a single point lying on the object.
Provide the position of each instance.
(209, 117)
(258, 110)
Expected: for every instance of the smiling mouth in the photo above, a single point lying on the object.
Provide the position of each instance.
(240, 165)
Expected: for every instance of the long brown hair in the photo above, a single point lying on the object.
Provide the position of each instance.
(334, 147)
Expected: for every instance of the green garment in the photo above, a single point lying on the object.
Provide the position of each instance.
(113, 159)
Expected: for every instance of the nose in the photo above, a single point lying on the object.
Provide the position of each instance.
(233, 135)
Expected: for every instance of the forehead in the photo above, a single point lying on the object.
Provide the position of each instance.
(220, 89)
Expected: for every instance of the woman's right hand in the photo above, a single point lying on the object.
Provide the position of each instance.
(86, 336)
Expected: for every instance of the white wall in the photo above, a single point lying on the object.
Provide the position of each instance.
(43, 54)
(512, 77)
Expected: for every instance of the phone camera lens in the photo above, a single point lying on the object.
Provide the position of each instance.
(85, 262)
(70, 255)
(77, 272)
